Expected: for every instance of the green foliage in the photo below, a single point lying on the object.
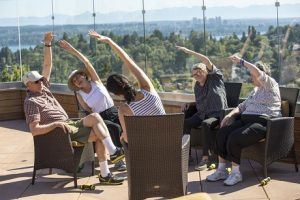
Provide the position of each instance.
(161, 54)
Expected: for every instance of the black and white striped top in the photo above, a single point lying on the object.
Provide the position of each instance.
(149, 105)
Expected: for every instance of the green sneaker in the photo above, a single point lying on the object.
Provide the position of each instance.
(119, 155)
(110, 179)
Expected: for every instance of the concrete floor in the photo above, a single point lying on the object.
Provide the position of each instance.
(16, 163)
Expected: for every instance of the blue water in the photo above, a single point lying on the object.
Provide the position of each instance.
(15, 48)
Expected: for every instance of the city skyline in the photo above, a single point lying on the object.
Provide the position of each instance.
(30, 8)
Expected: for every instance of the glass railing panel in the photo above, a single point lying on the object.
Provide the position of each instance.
(9, 41)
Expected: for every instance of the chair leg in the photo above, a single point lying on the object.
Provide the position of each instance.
(33, 176)
(265, 171)
(93, 168)
(75, 179)
(295, 158)
(196, 156)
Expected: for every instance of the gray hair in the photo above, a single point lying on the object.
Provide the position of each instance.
(263, 67)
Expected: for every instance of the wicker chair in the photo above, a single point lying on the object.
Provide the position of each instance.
(54, 150)
(279, 138)
(232, 95)
(156, 156)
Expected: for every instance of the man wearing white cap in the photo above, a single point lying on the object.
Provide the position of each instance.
(44, 113)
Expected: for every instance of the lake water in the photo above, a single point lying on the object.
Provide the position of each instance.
(15, 48)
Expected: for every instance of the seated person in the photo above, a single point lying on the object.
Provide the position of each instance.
(138, 102)
(94, 97)
(210, 101)
(44, 113)
(235, 134)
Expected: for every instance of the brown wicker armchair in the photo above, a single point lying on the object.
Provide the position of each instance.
(279, 138)
(156, 156)
(54, 150)
(197, 135)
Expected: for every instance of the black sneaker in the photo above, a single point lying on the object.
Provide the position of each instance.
(120, 166)
(119, 155)
(110, 179)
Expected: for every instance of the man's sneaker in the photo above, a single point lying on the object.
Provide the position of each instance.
(202, 165)
(120, 166)
(217, 175)
(117, 156)
(233, 179)
(110, 179)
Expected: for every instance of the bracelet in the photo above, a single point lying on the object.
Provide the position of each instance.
(47, 45)
(242, 62)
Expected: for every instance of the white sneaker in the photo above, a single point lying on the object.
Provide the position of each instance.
(233, 179)
(217, 175)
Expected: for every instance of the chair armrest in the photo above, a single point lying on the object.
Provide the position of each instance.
(185, 141)
(280, 133)
(225, 112)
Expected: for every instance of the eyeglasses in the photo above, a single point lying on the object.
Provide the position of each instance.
(36, 82)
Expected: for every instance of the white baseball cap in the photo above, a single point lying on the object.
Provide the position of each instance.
(31, 77)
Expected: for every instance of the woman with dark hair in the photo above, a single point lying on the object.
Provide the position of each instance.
(93, 97)
(144, 101)
(249, 127)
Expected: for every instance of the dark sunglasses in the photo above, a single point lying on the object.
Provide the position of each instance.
(36, 82)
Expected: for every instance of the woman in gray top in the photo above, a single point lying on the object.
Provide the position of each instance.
(250, 127)
(210, 98)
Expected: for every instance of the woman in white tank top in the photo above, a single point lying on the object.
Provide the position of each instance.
(94, 97)
(139, 102)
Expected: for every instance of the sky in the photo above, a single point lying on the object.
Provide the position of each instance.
(41, 8)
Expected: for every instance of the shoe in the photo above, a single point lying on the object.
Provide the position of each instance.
(110, 179)
(202, 165)
(233, 179)
(120, 166)
(117, 156)
(218, 175)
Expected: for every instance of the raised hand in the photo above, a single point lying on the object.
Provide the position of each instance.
(99, 37)
(236, 59)
(48, 37)
(184, 49)
(65, 45)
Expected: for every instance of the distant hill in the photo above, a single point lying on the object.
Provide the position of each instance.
(166, 14)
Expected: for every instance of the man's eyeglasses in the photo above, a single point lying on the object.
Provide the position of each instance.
(36, 82)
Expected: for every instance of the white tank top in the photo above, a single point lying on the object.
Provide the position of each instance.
(98, 99)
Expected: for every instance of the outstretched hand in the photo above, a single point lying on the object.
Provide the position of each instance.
(65, 45)
(236, 59)
(184, 49)
(48, 37)
(99, 37)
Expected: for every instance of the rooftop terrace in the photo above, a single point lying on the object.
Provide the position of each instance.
(17, 156)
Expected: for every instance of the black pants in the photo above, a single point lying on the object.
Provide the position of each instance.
(192, 120)
(243, 132)
(111, 119)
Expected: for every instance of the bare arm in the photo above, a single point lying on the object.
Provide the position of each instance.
(83, 104)
(251, 67)
(230, 117)
(124, 110)
(70, 49)
(142, 78)
(200, 56)
(48, 37)
(37, 129)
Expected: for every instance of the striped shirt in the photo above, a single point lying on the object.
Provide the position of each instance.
(43, 107)
(263, 100)
(211, 97)
(149, 105)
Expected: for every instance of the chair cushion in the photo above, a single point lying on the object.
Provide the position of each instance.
(285, 110)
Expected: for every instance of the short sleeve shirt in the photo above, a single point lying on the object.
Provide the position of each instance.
(43, 107)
